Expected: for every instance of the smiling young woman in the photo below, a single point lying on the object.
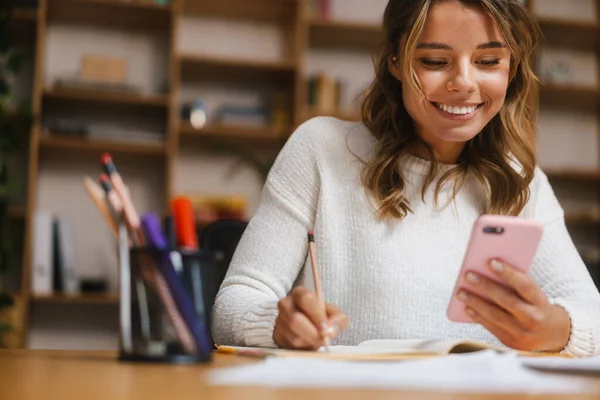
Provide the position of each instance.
(445, 137)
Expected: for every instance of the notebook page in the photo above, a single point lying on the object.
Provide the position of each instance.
(482, 372)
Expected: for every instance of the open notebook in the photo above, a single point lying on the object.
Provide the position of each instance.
(374, 350)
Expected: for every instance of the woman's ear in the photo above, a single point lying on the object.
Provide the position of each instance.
(394, 67)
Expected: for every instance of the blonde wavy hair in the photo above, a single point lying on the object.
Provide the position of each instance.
(492, 154)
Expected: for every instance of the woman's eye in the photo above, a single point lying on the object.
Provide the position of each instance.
(489, 62)
(433, 63)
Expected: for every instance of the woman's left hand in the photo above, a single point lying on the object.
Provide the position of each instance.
(518, 313)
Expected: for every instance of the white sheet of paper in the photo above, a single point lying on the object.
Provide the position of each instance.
(587, 365)
(485, 371)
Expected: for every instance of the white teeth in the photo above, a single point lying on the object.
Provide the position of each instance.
(457, 110)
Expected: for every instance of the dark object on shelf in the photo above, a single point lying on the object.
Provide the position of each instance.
(67, 128)
(89, 285)
(220, 238)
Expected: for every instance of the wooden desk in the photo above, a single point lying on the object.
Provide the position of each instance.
(89, 375)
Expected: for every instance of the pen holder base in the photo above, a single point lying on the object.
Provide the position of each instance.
(162, 312)
(166, 359)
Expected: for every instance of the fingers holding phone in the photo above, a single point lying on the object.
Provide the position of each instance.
(515, 309)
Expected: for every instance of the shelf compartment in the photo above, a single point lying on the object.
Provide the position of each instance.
(111, 14)
(572, 34)
(201, 67)
(335, 34)
(271, 11)
(56, 141)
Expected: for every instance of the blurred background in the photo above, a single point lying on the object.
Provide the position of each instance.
(196, 98)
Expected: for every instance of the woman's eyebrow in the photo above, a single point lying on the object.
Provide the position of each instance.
(443, 46)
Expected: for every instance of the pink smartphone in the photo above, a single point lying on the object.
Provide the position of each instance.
(511, 239)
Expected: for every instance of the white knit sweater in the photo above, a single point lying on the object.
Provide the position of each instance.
(393, 278)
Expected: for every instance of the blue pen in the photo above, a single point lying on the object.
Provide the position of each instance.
(154, 234)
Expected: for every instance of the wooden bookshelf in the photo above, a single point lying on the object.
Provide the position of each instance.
(131, 15)
(572, 34)
(337, 34)
(99, 96)
(204, 67)
(56, 141)
(77, 299)
(234, 132)
(269, 11)
(571, 97)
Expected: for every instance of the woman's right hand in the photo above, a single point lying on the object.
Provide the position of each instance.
(302, 324)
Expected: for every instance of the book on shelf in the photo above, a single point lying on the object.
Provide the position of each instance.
(325, 92)
(54, 257)
(320, 9)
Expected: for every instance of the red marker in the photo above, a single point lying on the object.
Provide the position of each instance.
(185, 226)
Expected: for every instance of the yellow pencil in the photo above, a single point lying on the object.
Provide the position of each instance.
(317, 279)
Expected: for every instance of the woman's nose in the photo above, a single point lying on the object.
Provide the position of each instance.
(462, 79)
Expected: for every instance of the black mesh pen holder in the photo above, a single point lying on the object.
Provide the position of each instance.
(162, 312)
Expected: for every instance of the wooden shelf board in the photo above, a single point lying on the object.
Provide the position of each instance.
(17, 212)
(346, 115)
(203, 67)
(573, 34)
(64, 142)
(583, 218)
(111, 14)
(271, 11)
(99, 96)
(77, 299)
(578, 97)
(234, 132)
(580, 175)
(325, 33)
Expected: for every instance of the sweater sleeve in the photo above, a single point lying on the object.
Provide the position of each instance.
(273, 249)
(563, 276)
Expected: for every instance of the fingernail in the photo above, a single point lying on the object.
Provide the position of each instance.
(332, 330)
(463, 296)
(470, 312)
(496, 266)
(472, 278)
(324, 327)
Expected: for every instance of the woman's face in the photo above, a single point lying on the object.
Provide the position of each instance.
(462, 63)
